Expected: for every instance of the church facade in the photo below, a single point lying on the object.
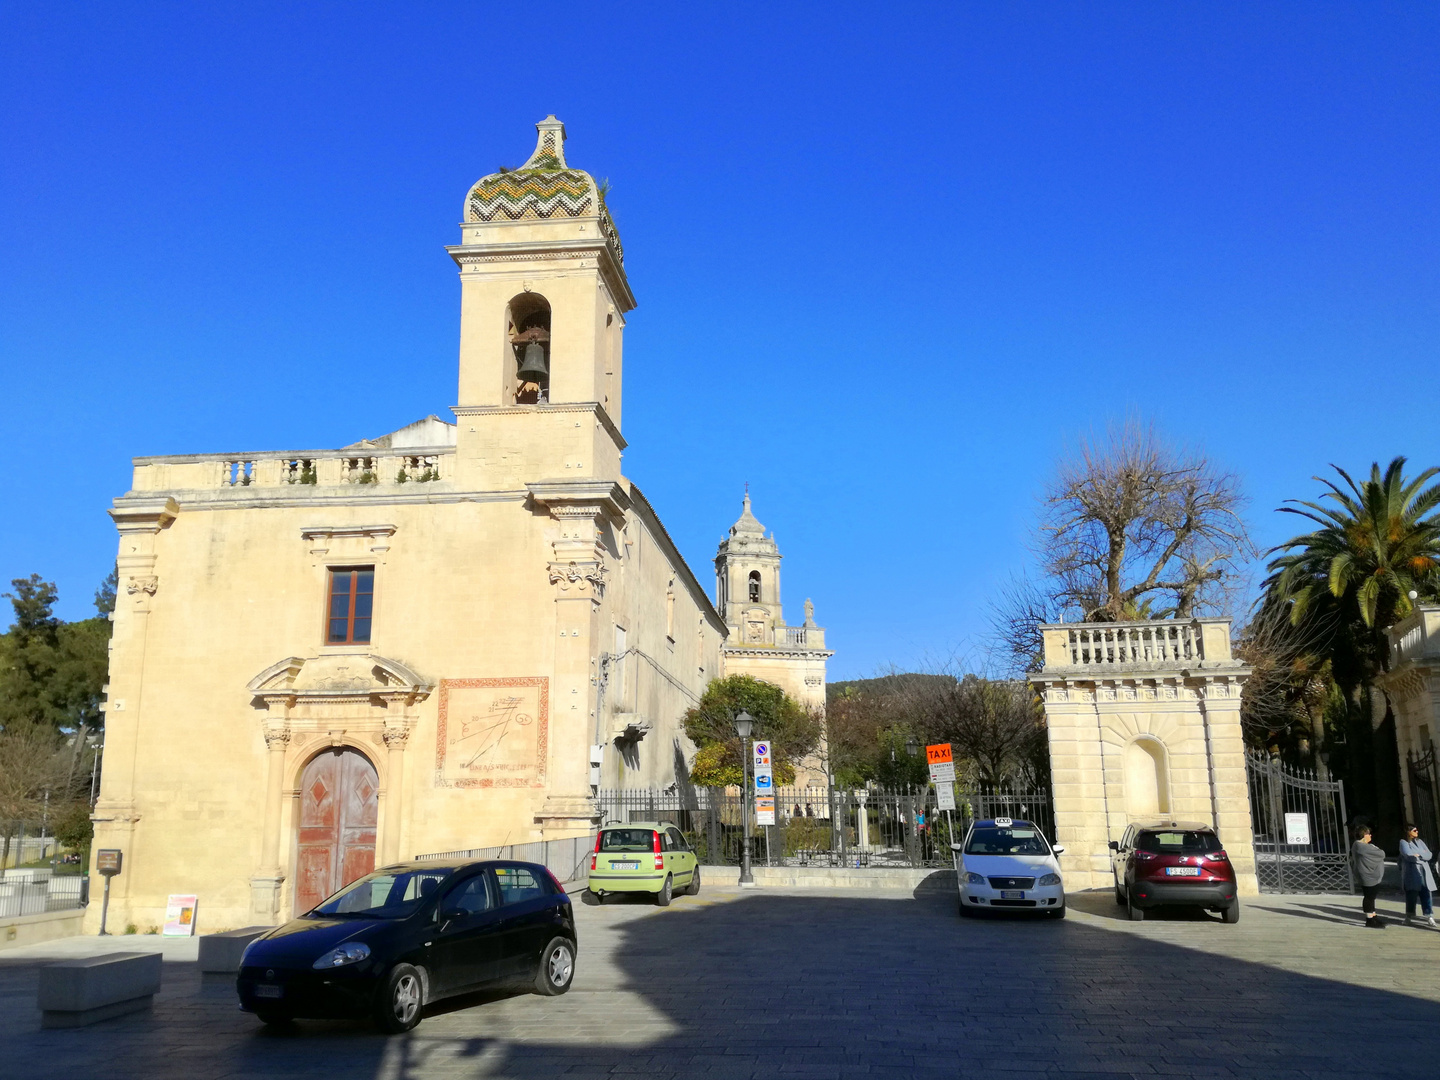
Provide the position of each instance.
(448, 637)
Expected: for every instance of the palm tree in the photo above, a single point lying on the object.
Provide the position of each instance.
(1377, 542)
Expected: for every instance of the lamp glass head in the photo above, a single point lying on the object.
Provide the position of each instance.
(744, 725)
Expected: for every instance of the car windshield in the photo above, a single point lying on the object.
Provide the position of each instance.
(627, 840)
(385, 894)
(1016, 840)
(1179, 842)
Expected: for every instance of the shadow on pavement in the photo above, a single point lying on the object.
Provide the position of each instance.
(769, 984)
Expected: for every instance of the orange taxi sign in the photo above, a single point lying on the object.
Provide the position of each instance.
(938, 753)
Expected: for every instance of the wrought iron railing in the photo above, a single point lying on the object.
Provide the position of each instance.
(1299, 821)
(863, 827)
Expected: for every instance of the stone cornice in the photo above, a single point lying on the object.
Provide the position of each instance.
(549, 407)
(259, 498)
(148, 513)
(590, 494)
(791, 652)
(595, 247)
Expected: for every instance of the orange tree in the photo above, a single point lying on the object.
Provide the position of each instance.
(791, 730)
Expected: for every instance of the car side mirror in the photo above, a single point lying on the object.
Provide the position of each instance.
(454, 915)
(956, 848)
(1058, 849)
(1114, 845)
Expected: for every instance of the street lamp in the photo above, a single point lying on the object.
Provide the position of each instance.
(911, 746)
(744, 725)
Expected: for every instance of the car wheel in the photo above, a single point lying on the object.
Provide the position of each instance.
(557, 967)
(274, 1019)
(1119, 896)
(662, 898)
(1231, 914)
(1136, 914)
(694, 887)
(1058, 913)
(402, 997)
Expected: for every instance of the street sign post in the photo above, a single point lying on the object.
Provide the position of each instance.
(764, 809)
(108, 862)
(941, 759)
(763, 768)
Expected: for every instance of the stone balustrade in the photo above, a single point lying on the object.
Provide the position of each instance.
(1415, 637)
(1136, 644)
(803, 637)
(296, 470)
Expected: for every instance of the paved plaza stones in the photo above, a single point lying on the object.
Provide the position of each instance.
(836, 983)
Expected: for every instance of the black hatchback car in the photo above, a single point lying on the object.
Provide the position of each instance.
(386, 945)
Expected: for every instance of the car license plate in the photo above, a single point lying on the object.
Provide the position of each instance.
(269, 991)
(624, 866)
(1011, 894)
(1182, 871)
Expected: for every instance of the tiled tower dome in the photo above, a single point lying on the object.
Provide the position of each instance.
(544, 188)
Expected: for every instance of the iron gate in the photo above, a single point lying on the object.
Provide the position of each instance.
(1299, 824)
(1421, 768)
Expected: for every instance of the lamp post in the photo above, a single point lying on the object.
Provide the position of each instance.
(744, 725)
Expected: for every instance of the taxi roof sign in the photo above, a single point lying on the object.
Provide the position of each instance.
(1004, 822)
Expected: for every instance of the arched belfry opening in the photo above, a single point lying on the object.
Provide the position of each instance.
(754, 586)
(527, 325)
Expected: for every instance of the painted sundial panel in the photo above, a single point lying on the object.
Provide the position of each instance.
(492, 732)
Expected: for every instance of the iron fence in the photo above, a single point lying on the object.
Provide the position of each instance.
(34, 892)
(1299, 824)
(870, 827)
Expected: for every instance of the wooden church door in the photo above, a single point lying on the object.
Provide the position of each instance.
(339, 804)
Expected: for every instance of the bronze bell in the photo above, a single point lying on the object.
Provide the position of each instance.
(533, 365)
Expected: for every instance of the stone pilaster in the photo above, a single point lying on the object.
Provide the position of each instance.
(117, 810)
(578, 570)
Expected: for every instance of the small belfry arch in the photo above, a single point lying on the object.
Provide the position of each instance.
(754, 586)
(527, 331)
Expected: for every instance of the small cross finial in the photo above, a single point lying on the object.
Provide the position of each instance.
(747, 487)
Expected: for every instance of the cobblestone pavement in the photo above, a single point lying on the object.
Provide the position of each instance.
(837, 983)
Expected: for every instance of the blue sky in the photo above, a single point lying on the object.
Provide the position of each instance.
(890, 259)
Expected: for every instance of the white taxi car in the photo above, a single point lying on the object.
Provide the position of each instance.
(1007, 865)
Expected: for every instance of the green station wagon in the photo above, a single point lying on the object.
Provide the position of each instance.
(643, 856)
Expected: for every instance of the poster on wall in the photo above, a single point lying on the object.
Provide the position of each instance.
(492, 732)
(180, 915)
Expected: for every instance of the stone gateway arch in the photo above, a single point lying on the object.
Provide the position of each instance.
(1143, 720)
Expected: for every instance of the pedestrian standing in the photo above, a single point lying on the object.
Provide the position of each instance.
(1369, 863)
(1415, 876)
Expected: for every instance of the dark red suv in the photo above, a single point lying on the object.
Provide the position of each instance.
(1163, 863)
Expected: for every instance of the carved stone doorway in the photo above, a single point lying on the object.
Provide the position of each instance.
(339, 804)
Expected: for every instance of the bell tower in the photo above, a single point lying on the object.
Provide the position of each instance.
(747, 573)
(542, 313)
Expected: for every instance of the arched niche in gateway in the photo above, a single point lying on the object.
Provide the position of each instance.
(1147, 783)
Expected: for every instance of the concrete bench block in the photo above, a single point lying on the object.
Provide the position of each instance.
(79, 992)
(220, 953)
